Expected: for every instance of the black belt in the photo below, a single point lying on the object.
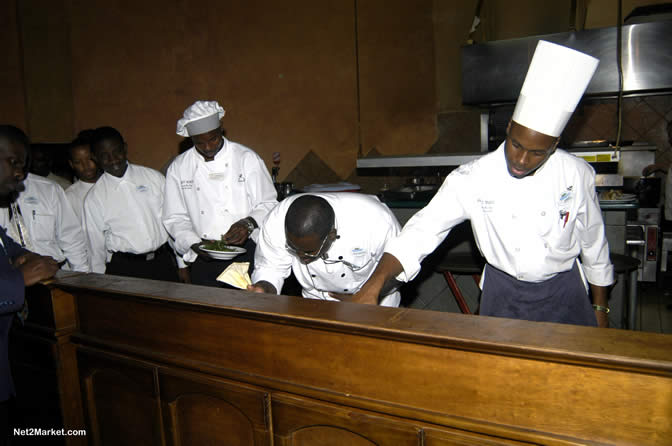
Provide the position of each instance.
(147, 256)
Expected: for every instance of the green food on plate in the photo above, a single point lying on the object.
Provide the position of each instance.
(219, 245)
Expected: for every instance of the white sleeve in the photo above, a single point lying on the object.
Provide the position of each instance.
(590, 231)
(260, 189)
(94, 227)
(272, 262)
(176, 217)
(69, 234)
(429, 227)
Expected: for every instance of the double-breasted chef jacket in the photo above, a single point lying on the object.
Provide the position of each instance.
(364, 225)
(203, 199)
(531, 228)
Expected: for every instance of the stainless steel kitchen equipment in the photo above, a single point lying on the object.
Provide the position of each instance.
(643, 242)
(493, 72)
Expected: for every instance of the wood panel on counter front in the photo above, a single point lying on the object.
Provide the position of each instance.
(167, 364)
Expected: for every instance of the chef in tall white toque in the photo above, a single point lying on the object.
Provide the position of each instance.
(217, 188)
(533, 209)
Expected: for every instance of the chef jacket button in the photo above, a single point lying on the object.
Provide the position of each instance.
(543, 213)
(340, 257)
(226, 165)
(198, 188)
(202, 212)
(313, 275)
(343, 275)
(205, 235)
(545, 245)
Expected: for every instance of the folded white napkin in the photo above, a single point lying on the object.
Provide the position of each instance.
(236, 275)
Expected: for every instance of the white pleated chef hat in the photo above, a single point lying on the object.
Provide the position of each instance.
(557, 78)
(200, 117)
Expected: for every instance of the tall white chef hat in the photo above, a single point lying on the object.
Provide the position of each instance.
(554, 84)
(200, 117)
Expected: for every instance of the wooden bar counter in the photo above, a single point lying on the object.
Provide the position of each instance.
(168, 364)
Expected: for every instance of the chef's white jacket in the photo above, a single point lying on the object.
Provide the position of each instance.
(531, 228)
(203, 199)
(76, 194)
(363, 225)
(124, 214)
(53, 228)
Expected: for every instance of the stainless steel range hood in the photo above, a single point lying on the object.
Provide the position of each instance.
(493, 72)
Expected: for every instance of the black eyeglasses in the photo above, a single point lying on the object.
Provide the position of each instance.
(304, 254)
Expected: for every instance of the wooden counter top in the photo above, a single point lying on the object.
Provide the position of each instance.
(619, 348)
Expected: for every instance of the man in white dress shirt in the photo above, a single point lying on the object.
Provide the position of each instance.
(331, 241)
(122, 215)
(217, 189)
(41, 220)
(86, 170)
(533, 209)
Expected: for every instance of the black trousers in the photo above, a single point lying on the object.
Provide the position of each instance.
(158, 265)
(204, 271)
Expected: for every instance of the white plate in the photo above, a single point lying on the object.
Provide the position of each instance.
(224, 255)
(625, 198)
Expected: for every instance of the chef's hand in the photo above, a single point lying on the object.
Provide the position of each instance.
(184, 275)
(237, 234)
(361, 297)
(35, 268)
(262, 287)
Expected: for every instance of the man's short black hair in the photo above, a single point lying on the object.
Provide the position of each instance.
(14, 135)
(105, 134)
(309, 215)
(83, 138)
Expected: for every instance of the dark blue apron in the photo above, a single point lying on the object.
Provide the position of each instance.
(562, 298)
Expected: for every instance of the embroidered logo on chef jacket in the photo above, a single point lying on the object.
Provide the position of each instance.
(142, 188)
(567, 195)
(31, 200)
(187, 184)
(487, 206)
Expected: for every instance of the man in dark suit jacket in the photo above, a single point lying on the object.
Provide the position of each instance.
(18, 268)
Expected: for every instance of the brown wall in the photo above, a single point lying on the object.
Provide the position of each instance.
(12, 106)
(286, 72)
